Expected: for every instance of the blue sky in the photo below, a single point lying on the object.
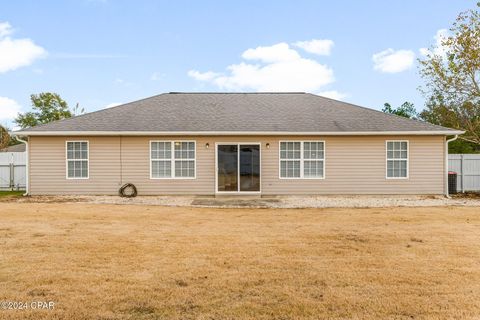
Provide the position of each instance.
(104, 52)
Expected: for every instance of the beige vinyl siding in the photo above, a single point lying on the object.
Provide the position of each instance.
(353, 165)
(48, 166)
(357, 165)
(136, 168)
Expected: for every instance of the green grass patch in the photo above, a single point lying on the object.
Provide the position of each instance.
(11, 193)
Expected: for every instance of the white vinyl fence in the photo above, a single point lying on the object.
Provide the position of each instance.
(467, 167)
(12, 170)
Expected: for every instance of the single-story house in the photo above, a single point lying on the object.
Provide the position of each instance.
(237, 143)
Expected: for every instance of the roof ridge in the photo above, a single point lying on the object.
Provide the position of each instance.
(212, 92)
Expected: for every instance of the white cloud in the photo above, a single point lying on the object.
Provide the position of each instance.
(9, 109)
(279, 68)
(277, 53)
(5, 29)
(391, 61)
(316, 46)
(111, 105)
(202, 76)
(438, 47)
(16, 53)
(332, 94)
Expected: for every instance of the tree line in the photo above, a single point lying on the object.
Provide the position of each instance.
(452, 84)
(46, 107)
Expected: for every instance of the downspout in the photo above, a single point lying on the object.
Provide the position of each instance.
(27, 173)
(446, 164)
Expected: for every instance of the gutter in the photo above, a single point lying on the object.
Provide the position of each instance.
(446, 164)
(27, 182)
(236, 133)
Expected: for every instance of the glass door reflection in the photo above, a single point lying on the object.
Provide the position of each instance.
(238, 168)
(249, 167)
(227, 158)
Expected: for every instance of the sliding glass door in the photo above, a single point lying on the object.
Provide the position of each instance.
(238, 167)
(227, 156)
(249, 167)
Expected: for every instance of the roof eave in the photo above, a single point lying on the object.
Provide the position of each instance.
(234, 133)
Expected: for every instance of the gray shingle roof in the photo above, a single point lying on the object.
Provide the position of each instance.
(237, 112)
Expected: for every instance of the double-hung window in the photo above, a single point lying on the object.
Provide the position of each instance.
(161, 159)
(77, 159)
(313, 159)
(397, 159)
(184, 157)
(290, 159)
(302, 159)
(172, 159)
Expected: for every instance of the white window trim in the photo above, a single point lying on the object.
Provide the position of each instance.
(302, 160)
(387, 159)
(67, 160)
(172, 160)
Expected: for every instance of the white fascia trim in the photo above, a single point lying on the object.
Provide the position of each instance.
(232, 133)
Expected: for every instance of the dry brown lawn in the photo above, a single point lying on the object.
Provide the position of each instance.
(147, 262)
